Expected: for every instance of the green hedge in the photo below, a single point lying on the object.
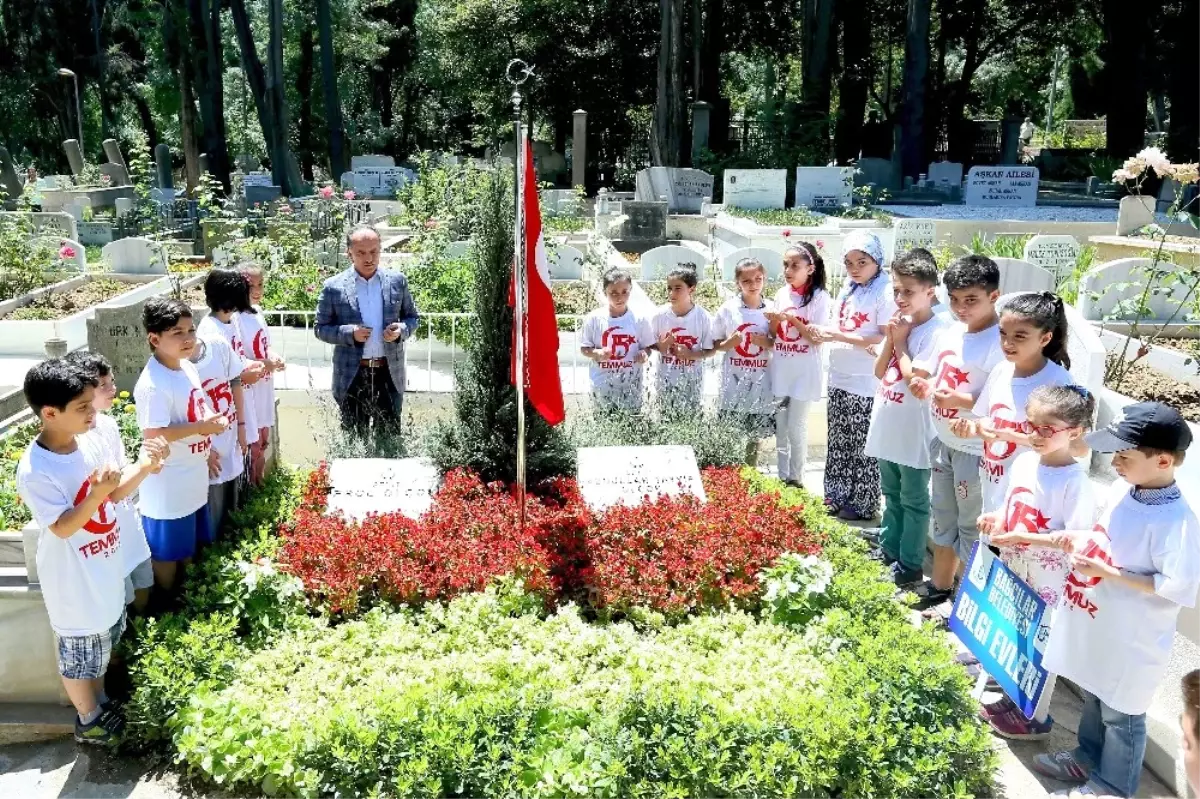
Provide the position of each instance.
(827, 691)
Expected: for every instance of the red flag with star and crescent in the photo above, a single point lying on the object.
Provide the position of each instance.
(542, 381)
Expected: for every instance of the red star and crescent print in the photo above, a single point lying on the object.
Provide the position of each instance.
(789, 340)
(747, 349)
(850, 322)
(1076, 589)
(619, 344)
(103, 525)
(948, 376)
(197, 412)
(683, 340)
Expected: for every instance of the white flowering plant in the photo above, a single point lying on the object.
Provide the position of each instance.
(1161, 278)
(795, 589)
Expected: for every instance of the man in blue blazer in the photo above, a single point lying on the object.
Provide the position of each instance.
(367, 314)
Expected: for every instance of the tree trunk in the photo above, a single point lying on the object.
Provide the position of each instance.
(667, 144)
(146, 117)
(208, 74)
(382, 80)
(101, 70)
(712, 48)
(304, 81)
(1183, 87)
(916, 69)
(855, 81)
(1126, 30)
(816, 77)
(959, 135)
(333, 101)
(187, 127)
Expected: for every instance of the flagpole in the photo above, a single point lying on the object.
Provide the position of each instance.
(516, 77)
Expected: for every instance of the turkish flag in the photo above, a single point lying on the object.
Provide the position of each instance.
(543, 385)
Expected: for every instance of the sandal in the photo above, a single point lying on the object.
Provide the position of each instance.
(929, 595)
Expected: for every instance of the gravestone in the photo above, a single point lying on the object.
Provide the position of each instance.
(1019, 275)
(644, 221)
(1136, 211)
(162, 167)
(262, 195)
(659, 261)
(95, 234)
(256, 179)
(72, 253)
(946, 173)
(876, 171)
(1002, 186)
(116, 173)
(361, 486)
(135, 256)
(117, 335)
(358, 162)
(74, 156)
(824, 187)
(124, 206)
(772, 261)
(567, 263)
(910, 233)
(685, 189)
(377, 182)
(610, 476)
(560, 201)
(164, 195)
(112, 151)
(1055, 254)
(755, 189)
(9, 183)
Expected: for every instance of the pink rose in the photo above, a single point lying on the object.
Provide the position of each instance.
(67, 253)
(327, 192)
(348, 195)
(787, 233)
(820, 244)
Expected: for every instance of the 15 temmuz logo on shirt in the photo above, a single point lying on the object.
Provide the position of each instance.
(619, 344)
(1023, 517)
(789, 334)
(747, 348)
(1078, 583)
(197, 412)
(998, 451)
(221, 396)
(890, 378)
(683, 340)
(849, 322)
(950, 377)
(103, 524)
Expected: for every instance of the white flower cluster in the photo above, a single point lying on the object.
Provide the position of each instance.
(1156, 160)
(795, 575)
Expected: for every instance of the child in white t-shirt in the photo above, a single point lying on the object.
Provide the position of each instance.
(171, 403)
(227, 294)
(1048, 491)
(965, 353)
(863, 307)
(257, 338)
(1113, 632)
(741, 330)
(901, 428)
(139, 577)
(797, 378)
(70, 487)
(1033, 336)
(683, 336)
(220, 371)
(617, 343)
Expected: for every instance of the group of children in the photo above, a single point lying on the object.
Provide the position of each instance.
(966, 414)
(113, 530)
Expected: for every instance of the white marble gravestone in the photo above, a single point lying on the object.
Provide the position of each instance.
(945, 173)
(613, 475)
(1055, 254)
(359, 486)
(824, 187)
(910, 233)
(685, 189)
(755, 189)
(1002, 186)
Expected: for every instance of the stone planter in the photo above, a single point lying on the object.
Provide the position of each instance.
(95, 233)
(1164, 359)
(58, 199)
(873, 225)
(27, 338)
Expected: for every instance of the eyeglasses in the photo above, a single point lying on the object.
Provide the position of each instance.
(1047, 430)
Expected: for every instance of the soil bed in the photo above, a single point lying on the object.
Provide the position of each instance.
(62, 304)
(1145, 384)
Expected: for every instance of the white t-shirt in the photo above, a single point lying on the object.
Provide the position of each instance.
(257, 342)
(1045, 499)
(232, 333)
(133, 537)
(796, 369)
(1113, 640)
(901, 428)
(168, 398)
(1003, 401)
(693, 331)
(862, 310)
(745, 379)
(962, 361)
(618, 380)
(217, 367)
(83, 576)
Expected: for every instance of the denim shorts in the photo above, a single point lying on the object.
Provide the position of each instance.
(85, 657)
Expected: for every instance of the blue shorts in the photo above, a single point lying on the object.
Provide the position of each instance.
(177, 539)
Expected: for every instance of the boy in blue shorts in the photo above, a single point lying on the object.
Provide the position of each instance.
(171, 402)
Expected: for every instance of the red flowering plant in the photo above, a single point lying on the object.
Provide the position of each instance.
(679, 555)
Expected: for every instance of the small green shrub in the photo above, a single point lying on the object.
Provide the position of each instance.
(794, 217)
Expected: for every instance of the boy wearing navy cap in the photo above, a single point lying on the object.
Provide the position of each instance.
(1112, 634)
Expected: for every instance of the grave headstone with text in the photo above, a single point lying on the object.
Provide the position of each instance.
(610, 476)
(685, 189)
(1055, 254)
(361, 486)
(946, 173)
(358, 162)
(118, 336)
(824, 187)
(644, 221)
(755, 189)
(1002, 186)
(377, 182)
(262, 195)
(135, 256)
(910, 233)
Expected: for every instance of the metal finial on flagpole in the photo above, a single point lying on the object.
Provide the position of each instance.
(517, 72)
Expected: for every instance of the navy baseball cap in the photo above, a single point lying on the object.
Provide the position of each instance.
(1143, 424)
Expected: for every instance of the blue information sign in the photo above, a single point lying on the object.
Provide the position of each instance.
(1002, 621)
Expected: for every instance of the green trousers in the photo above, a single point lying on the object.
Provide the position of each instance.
(906, 513)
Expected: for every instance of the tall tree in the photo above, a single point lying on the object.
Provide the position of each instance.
(820, 43)
(1127, 34)
(857, 75)
(208, 81)
(916, 70)
(1183, 81)
(304, 80)
(670, 116)
(333, 102)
